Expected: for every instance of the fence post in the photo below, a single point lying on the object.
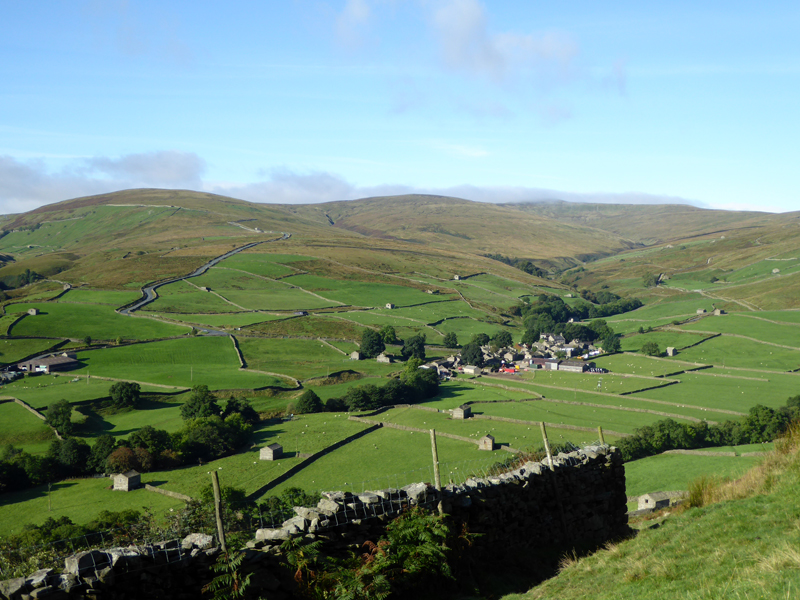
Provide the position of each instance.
(600, 432)
(437, 476)
(546, 445)
(218, 510)
(556, 491)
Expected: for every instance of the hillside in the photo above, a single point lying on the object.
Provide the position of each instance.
(455, 224)
(741, 544)
(649, 224)
(286, 315)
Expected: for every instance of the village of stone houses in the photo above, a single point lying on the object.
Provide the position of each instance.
(245, 400)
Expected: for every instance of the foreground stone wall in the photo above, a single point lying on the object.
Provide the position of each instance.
(580, 501)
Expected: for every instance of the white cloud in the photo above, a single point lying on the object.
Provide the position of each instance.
(167, 168)
(352, 22)
(466, 44)
(28, 184)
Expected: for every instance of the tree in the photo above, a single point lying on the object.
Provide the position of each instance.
(308, 402)
(481, 339)
(335, 405)
(611, 343)
(200, 404)
(472, 354)
(87, 340)
(74, 454)
(122, 460)
(650, 349)
(450, 340)
(241, 406)
(371, 343)
(125, 394)
(59, 417)
(388, 334)
(155, 441)
(414, 346)
(103, 447)
(502, 339)
(650, 280)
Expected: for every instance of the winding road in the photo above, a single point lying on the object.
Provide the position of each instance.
(149, 292)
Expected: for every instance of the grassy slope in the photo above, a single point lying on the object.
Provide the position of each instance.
(744, 545)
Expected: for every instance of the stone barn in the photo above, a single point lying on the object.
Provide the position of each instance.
(462, 412)
(125, 482)
(655, 501)
(382, 358)
(472, 370)
(271, 452)
(389, 305)
(486, 442)
(355, 355)
(33, 311)
(671, 351)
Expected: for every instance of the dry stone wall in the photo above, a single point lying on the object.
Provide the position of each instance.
(578, 501)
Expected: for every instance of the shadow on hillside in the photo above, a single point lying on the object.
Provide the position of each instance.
(452, 391)
(34, 493)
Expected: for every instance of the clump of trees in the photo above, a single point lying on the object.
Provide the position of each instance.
(650, 349)
(414, 385)
(372, 343)
(762, 424)
(523, 264)
(210, 431)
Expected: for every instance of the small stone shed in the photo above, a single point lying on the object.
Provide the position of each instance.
(389, 305)
(486, 442)
(671, 351)
(355, 355)
(382, 358)
(462, 412)
(33, 311)
(271, 452)
(701, 311)
(654, 500)
(718, 312)
(125, 482)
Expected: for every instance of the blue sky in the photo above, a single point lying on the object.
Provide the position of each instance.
(313, 100)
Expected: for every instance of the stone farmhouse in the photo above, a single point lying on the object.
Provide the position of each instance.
(271, 452)
(462, 412)
(128, 481)
(50, 364)
(486, 442)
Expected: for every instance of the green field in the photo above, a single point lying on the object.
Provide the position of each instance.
(729, 393)
(97, 321)
(637, 364)
(601, 382)
(392, 458)
(299, 358)
(23, 429)
(667, 472)
(14, 350)
(85, 296)
(79, 499)
(362, 293)
(230, 320)
(664, 339)
(584, 416)
(183, 297)
(516, 435)
(775, 333)
(185, 362)
(733, 352)
(42, 390)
